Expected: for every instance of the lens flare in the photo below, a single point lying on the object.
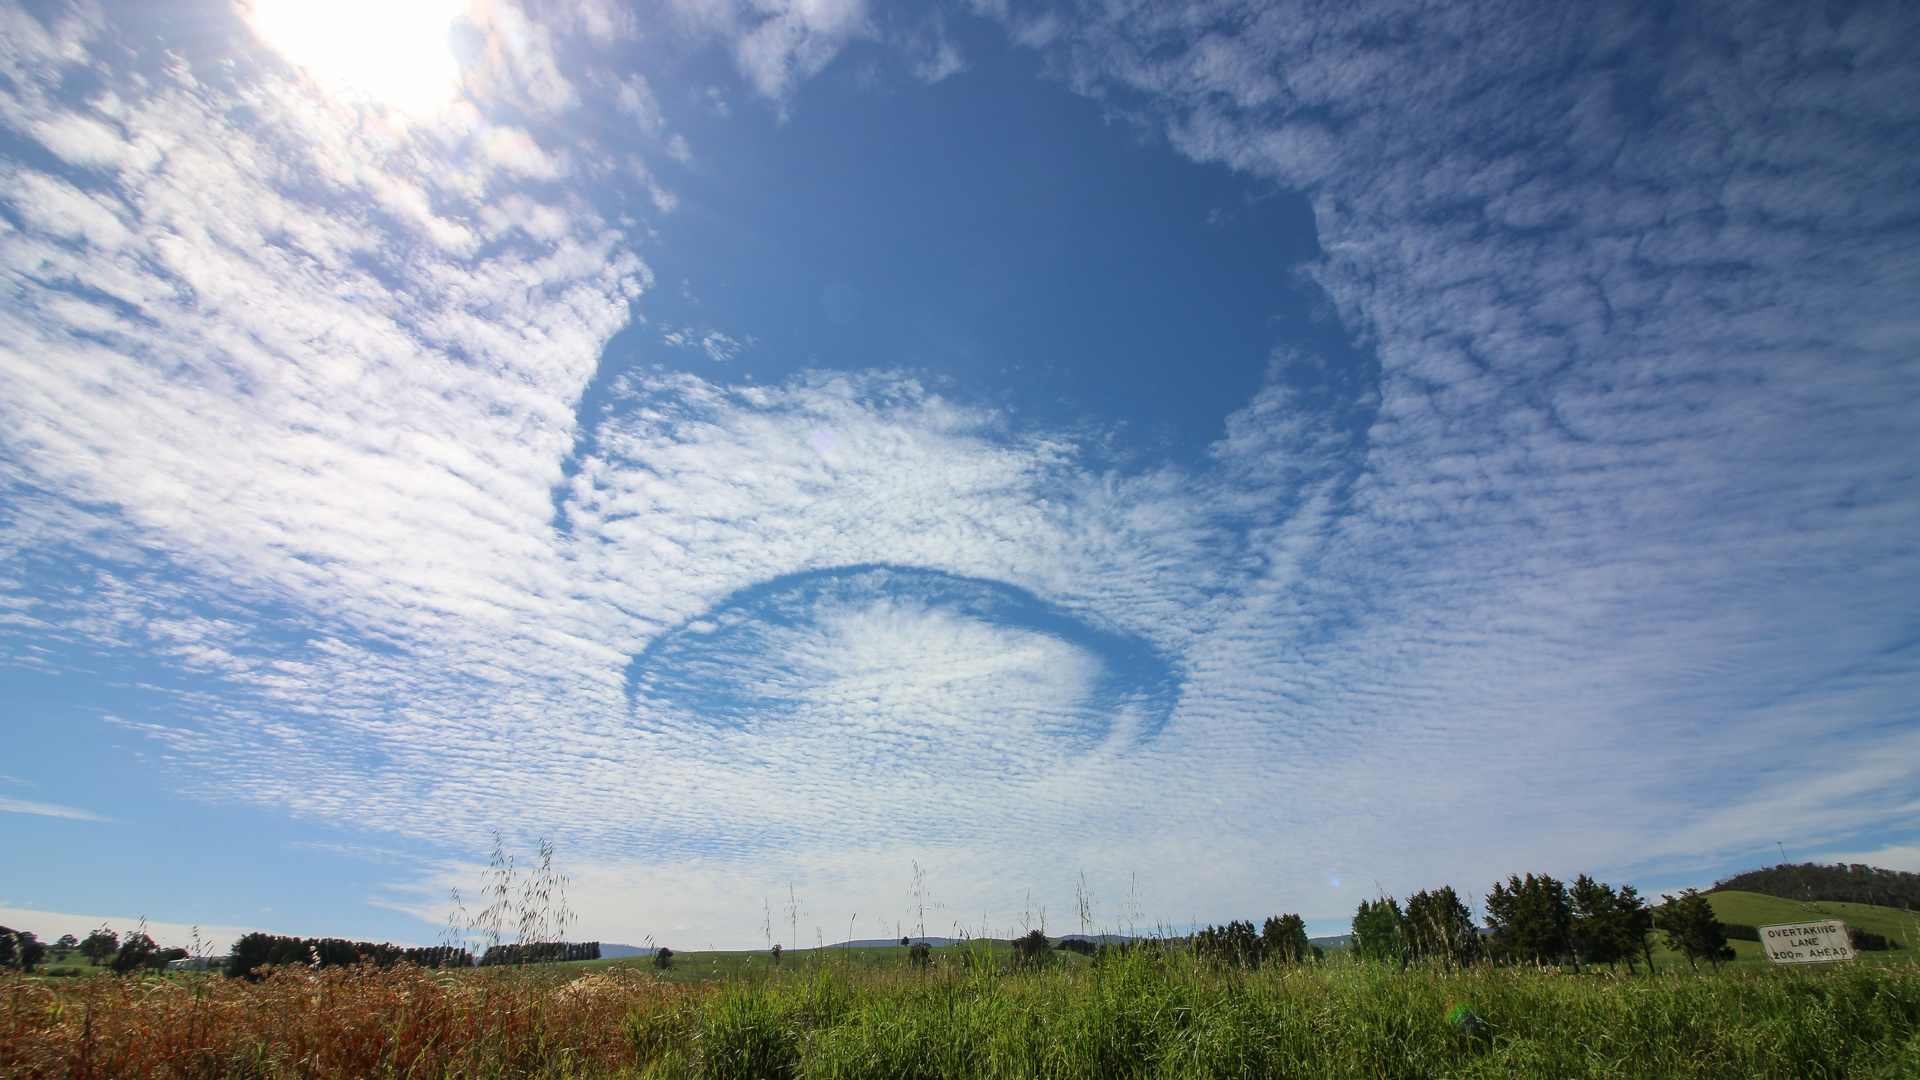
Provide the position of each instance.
(395, 52)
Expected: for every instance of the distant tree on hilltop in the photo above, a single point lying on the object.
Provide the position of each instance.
(1854, 883)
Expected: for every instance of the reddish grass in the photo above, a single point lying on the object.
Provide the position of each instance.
(344, 1023)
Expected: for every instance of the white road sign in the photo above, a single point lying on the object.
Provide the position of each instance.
(1817, 942)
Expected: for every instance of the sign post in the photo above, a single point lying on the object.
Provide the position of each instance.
(1818, 942)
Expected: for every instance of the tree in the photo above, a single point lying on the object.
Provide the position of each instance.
(137, 951)
(776, 954)
(20, 949)
(67, 943)
(99, 945)
(1531, 920)
(1691, 928)
(1635, 925)
(1379, 931)
(1439, 927)
(1595, 932)
(663, 959)
(920, 954)
(1283, 938)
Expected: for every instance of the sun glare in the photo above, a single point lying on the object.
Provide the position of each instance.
(394, 51)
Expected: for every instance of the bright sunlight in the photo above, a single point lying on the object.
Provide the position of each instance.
(393, 51)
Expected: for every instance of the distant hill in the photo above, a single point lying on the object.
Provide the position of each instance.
(1840, 883)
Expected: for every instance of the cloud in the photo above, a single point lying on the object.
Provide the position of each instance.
(777, 44)
(1563, 579)
(22, 806)
(1639, 298)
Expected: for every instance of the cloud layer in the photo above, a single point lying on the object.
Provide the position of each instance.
(1624, 511)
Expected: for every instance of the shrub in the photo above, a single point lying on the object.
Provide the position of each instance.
(1032, 950)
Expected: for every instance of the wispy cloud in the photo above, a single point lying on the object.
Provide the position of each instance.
(22, 806)
(1623, 513)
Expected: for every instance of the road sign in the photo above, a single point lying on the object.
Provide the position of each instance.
(1820, 941)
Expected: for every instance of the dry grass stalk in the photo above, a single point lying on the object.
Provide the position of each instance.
(344, 1023)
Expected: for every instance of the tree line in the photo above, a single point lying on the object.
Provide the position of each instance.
(1531, 920)
(1844, 883)
(255, 951)
(1540, 920)
(1282, 939)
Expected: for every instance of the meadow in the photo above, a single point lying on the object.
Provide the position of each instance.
(869, 1013)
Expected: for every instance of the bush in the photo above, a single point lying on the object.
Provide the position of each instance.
(1868, 941)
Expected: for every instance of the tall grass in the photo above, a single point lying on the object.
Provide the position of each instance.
(333, 1023)
(1167, 1018)
(1141, 1015)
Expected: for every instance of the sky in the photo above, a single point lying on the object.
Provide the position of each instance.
(838, 469)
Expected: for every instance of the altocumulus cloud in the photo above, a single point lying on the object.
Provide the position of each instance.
(1624, 507)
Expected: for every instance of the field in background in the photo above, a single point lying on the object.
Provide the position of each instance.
(868, 1013)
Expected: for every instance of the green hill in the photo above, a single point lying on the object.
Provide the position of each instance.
(1757, 909)
(1855, 883)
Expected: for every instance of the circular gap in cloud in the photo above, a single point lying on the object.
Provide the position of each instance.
(923, 661)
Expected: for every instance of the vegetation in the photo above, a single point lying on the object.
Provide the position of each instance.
(20, 950)
(1692, 929)
(1753, 909)
(1137, 1012)
(1421, 992)
(1840, 883)
(255, 951)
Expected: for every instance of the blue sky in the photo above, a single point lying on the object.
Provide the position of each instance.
(1249, 455)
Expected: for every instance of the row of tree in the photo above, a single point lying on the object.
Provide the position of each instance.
(1539, 920)
(539, 952)
(1281, 939)
(21, 950)
(255, 951)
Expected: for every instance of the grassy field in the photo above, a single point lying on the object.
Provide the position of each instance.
(866, 1013)
(1757, 909)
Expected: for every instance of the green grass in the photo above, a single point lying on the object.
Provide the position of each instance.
(1758, 909)
(1168, 1018)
